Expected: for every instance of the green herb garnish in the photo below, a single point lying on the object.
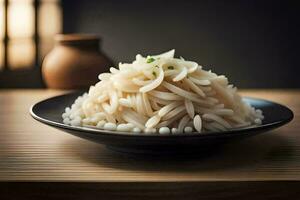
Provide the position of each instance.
(150, 60)
(156, 66)
(154, 73)
(171, 67)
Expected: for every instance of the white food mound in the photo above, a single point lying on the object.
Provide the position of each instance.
(161, 94)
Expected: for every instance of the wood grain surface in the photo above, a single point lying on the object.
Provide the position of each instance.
(31, 152)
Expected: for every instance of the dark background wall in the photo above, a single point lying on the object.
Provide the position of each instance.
(255, 43)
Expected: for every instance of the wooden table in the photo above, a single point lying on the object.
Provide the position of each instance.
(38, 161)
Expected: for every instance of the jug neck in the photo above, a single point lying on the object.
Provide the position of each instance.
(82, 41)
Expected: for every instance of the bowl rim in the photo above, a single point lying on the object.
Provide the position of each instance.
(94, 131)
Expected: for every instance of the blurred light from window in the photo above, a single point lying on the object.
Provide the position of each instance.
(1, 34)
(20, 29)
(1, 19)
(49, 24)
(45, 45)
(20, 19)
(49, 18)
(21, 53)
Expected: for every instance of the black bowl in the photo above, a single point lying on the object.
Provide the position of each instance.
(49, 112)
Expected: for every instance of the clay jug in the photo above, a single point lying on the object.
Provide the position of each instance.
(75, 62)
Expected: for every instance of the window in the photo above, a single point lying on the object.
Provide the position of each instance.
(1, 34)
(27, 28)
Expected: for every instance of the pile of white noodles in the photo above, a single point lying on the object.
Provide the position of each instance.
(161, 94)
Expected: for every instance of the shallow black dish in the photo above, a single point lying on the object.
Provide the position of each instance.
(49, 112)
